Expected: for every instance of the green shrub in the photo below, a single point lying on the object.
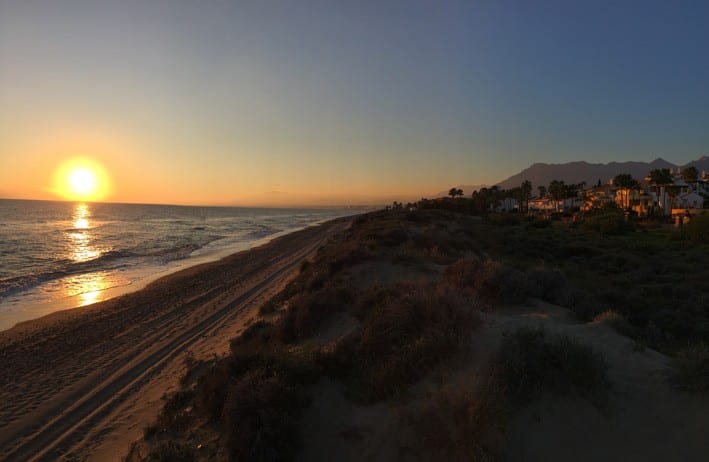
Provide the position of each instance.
(490, 280)
(543, 282)
(692, 372)
(608, 222)
(308, 311)
(504, 219)
(410, 330)
(461, 424)
(531, 363)
(697, 229)
(259, 414)
(171, 452)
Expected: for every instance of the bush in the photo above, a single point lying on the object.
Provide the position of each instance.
(405, 334)
(260, 413)
(504, 219)
(171, 452)
(697, 229)
(542, 282)
(461, 424)
(608, 222)
(616, 320)
(692, 372)
(172, 416)
(584, 305)
(308, 311)
(532, 363)
(490, 280)
(211, 389)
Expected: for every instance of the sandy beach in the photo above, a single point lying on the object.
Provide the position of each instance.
(81, 384)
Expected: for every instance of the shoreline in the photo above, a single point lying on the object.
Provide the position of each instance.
(141, 278)
(95, 376)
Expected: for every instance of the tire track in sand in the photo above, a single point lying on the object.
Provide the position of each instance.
(51, 439)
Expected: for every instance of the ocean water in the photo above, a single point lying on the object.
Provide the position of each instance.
(57, 255)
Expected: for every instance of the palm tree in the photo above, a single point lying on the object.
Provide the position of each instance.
(526, 193)
(626, 184)
(455, 192)
(558, 192)
(663, 178)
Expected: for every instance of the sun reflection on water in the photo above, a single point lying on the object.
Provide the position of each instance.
(89, 287)
(80, 247)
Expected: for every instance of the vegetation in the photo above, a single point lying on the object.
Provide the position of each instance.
(697, 230)
(406, 332)
(648, 283)
(626, 184)
(532, 363)
(690, 174)
(692, 373)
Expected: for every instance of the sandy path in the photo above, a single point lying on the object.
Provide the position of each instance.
(74, 380)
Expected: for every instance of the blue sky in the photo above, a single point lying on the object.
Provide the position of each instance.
(231, 102)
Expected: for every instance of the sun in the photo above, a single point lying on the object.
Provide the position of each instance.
(81, 179)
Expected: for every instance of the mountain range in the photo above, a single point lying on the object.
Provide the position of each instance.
(541, 174)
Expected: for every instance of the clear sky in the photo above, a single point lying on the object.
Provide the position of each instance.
(252, 102)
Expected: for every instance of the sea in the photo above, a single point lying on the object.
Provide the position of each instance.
(58, 255)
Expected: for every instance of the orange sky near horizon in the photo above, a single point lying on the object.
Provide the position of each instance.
(135, 176)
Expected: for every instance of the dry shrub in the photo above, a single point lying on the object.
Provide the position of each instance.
(308, 311)
(392, 237)
(462, 424)
(402, 337)
(490, 280)
(616, 320)
(462, 273)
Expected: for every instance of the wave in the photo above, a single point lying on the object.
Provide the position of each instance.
(112, 260)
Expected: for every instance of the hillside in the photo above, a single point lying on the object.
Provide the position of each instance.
(435, 335)
(577, 172)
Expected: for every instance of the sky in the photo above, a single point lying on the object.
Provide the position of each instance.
(329, 102)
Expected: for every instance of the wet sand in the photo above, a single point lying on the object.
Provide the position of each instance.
(81, 384)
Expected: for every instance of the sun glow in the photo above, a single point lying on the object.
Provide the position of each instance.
(81, 179)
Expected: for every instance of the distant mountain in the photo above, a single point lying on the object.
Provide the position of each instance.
(702, 164)
(577, 172)
(467, 190)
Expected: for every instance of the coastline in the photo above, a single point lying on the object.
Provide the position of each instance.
(95, 375)
(138, 280)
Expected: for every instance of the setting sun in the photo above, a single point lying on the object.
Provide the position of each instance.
(81, 179)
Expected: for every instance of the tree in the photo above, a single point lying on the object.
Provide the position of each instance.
(690, 174)
(542, 190)
(626, 183)
(661, 177)
(526, 193)
(558, 191)
(455, 192)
